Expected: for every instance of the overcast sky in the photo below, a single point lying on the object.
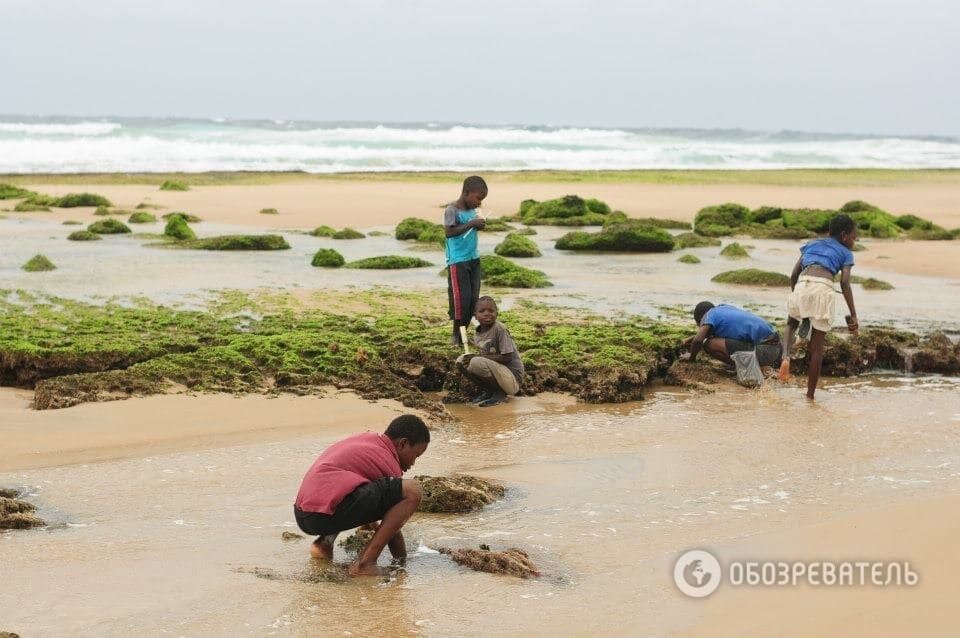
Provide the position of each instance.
(816, 65)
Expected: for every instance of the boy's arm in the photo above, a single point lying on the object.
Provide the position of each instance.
(795, 275)
(853, 324)
(697, 342)
(499, 358)
(456, 230)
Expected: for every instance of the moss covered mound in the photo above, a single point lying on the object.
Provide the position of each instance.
(141, 217)
(174, 185)
(693, 240)
(327, 258)
(526, 231)
(17, 514)
(723, 219)
(514, 245)
(501, 272)
(433, 235)
(389, 262)
(457, 494)
(269, 211)
(177, 228)
(239, 242)
(38, 263)
(72, 222)
(512, 562)
(145, 206)
(564, 211)
(411, 227)
(323, 231)
(752, 277)
(83, 235)
(869, 283)
(103, 211)
(348, 233)
(497, 225)
(354, 543)
(688, 259)
(622, 237)
(734, 251)
(659, 222)
(9, 191)
(74, 200)
(187, 217)
(30, 206)
(108, 227)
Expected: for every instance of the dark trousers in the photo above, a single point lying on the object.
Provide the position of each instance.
(463, 290)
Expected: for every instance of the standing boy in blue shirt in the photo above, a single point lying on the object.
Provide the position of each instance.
(813, 299)
(460, 222)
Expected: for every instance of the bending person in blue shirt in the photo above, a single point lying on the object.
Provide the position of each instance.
(813, 299)
(726, 329)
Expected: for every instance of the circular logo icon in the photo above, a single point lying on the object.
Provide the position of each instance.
(697, 573)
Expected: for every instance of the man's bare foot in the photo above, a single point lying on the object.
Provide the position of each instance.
(359, 569)
(322, 548)
(784, 374)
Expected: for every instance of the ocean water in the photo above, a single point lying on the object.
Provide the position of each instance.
(67, 145)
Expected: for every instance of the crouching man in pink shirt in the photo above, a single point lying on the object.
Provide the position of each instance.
(357, 481)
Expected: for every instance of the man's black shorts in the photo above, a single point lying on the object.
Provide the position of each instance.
(366, 504)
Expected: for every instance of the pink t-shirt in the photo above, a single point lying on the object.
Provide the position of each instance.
(343, 467)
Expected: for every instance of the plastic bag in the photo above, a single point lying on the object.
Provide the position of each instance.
(749, 374)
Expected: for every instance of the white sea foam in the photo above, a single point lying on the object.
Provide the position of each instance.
(59, 145)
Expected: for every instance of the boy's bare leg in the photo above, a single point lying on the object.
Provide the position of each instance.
(322, 548)
(788, 339)
(393, 520)
(816, 360)
(717, 348)
(397, 546)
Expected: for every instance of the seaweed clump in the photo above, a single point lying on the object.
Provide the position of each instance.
(411, 227)
(722, 219)
(389, 262)
(624, 237)
(174, 185)
(269, 211)
(693, 240)
(688, 259)
(354, 543)
(323, 231)
(17, 514)
(752, 277)
(514, 245)
(74, 200)
(239, 242)
(734, 251)
(457, 494)
(9, 191)
(869, 283)
(512, 562)
(108, 227)
(348, 233)
(564, 211)
(501, 272)
(327, 258)
(39, 263)
(30, 206)
(499, 225)
(141, 217)
(187, 217)
(177, 228)
(83, 235)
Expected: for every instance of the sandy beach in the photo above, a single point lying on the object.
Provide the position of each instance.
(160, 506)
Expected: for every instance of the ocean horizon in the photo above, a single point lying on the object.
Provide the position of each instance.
(64, 144)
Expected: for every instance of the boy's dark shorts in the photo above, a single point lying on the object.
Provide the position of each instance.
(366, 504)
(769, 353)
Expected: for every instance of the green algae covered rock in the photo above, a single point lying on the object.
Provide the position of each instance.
(564, 211)
(9, 191)
(83, 235)
(532, 231)
(433, 235)
(657, 222)
(411, 227)
(74, 200)
(187, 217)
(269, 211)
(497, 225)
(510, 562)
(693, 240)
(501, 272)
(108, 227)
(323, 231)
(752, 277)
(348, 233)
(141, 217)
(723, 219)
(869, 283)
(174, 185)
(239, 242)
(327, 258)
(688, 259)
(734, 251)
(457, 494)
(72, 222)
(177, 228)
(622, 237)
(30, 206)
(38, 263)
(389, 262)
(514, 245)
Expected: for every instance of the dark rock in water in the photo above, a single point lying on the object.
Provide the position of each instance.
(291, 536)
(512, 562)
(8, 634)
(7, 492)
(357, 541)
(937, 354)
(16, 514)
(457, 494)
(695, 374)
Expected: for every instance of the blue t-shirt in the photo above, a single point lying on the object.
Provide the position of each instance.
(731, 322)
(462, 247)
(829, 253)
